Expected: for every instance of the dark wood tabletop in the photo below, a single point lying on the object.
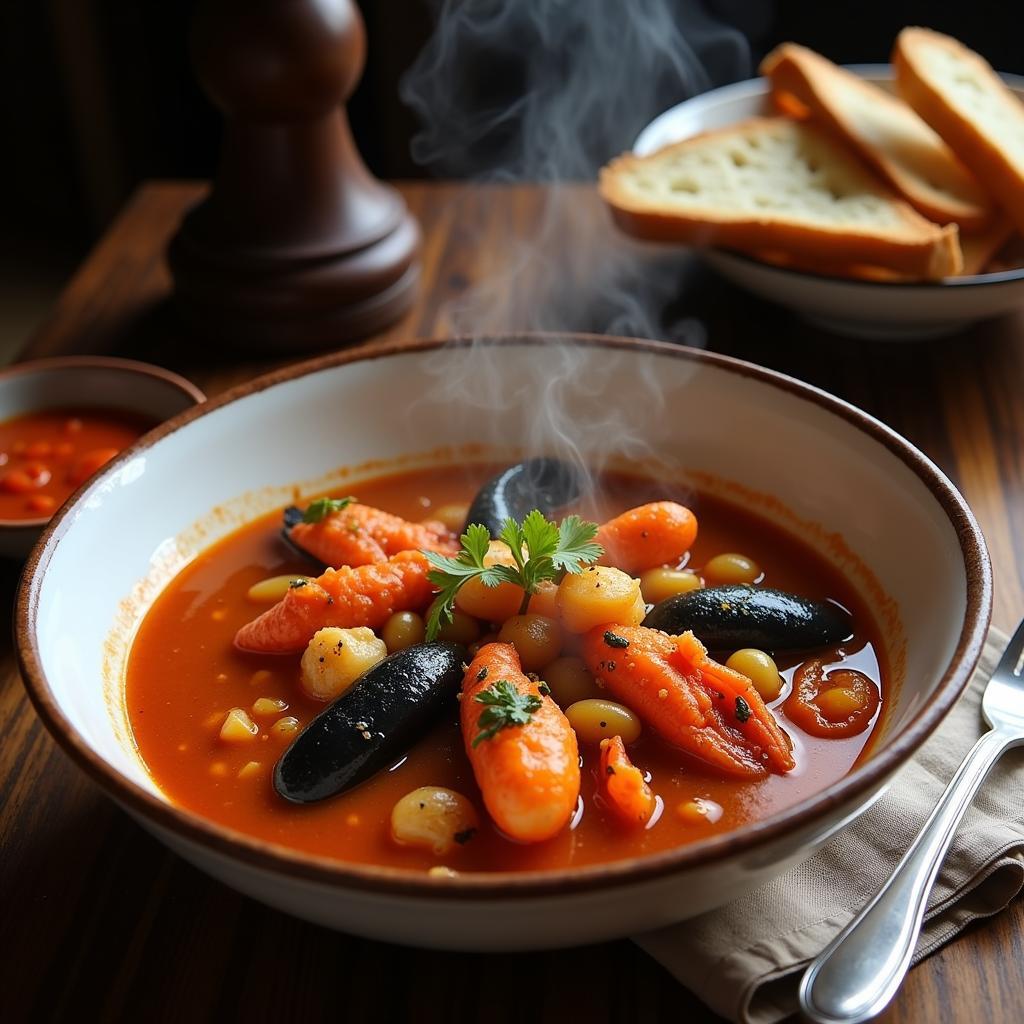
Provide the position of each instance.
(99, 921)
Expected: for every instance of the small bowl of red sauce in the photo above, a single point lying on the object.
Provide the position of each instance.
(62, 420)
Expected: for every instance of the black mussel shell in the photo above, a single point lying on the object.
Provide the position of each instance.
(372, 724)
(542, 483)
(728, 618)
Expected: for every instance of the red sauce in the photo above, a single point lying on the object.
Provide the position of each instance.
(45, 456)
(184, 674)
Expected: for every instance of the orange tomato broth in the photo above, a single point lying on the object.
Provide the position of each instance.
(184, 674)
(46, 455)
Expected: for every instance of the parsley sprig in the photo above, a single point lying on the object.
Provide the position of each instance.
(321, 508)
(551, 551)
(506, 706)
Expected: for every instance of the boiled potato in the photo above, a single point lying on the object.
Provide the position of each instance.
(335, 658)
(598, 596)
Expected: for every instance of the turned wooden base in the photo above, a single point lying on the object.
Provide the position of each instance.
(277, 304)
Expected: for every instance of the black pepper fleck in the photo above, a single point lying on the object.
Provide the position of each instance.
(614, 640)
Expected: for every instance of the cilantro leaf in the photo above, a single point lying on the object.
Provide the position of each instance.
(506, 707)
(540, 550)
(576, 546)
(321, 508)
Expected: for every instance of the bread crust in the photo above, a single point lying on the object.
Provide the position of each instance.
(885, 131)
(980, 148)
(915, 246)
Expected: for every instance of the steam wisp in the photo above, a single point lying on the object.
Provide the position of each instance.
(547, 91)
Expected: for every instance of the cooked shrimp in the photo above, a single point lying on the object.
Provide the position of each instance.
(528, 772)
(648, 536)
(346, 597)
(361, 535)
(693, 702)
(623, 784)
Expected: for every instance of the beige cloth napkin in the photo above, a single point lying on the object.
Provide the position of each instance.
(745, 959)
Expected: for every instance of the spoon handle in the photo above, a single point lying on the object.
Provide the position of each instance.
(857, 974)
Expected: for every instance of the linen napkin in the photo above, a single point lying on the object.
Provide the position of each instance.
(745, 960)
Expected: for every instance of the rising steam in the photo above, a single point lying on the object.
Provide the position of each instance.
(547, 91)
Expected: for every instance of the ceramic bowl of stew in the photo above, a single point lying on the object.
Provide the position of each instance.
(61, 420)
(160, 552)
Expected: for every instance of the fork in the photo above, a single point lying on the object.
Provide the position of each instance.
(858, 973)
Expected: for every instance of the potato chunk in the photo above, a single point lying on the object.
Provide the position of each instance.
(598, 596)
(335, 658)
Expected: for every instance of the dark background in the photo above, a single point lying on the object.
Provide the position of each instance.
(97, 95)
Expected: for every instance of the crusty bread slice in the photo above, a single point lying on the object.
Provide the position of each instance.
(885, 131)
(966, 102)
(772, 183)
(979, 251)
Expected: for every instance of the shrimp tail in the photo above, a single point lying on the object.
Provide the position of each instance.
(693, 702)
(347, 597)
(363, 535)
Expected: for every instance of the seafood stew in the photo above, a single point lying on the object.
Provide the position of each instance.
(45, 456)
(586, 721)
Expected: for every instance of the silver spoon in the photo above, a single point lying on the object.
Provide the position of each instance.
(859, 972)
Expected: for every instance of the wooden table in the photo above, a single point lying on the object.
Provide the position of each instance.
(99, 921)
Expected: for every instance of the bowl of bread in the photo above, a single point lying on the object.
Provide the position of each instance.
(879, 201)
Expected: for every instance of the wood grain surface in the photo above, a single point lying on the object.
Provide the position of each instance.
(98, 921)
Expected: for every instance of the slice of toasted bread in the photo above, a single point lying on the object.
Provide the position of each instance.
(966, 102)
(885, 131)
(979, 251)
(772, 183)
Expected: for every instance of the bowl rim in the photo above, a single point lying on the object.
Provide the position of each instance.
(47, 364)
(297, 865)
(758, 86)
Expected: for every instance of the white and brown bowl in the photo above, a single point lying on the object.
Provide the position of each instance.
(885, 311)
(871, 503)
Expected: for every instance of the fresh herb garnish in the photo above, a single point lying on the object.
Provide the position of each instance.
(614, 640)
(742, 709)
(298, 582)
(506, 706)
(323, 507)
(551, 552)
(543, 688)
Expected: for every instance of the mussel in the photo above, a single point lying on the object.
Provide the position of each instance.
(542, 483)
(370, 725)
(728, 618)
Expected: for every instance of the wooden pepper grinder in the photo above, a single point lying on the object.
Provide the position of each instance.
(297, 246)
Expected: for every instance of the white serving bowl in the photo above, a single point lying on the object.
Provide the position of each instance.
(909, 544)
(123, 385)
(893, 311)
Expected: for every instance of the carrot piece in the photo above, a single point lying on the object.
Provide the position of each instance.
(361, 535)
(623, 784)
(346, 597)
(706, 709)
(529, 775)
(648, 536)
